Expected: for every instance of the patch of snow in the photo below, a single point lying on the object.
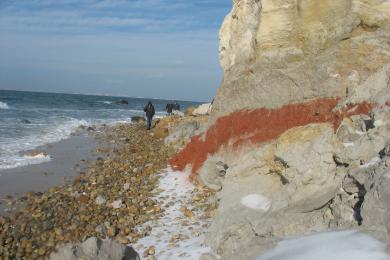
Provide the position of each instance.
(329, 245)
(372, 162)
(174, 235)
(189, 249)
(378, 123)
(256, 202)
(360, 132)
(348, 144)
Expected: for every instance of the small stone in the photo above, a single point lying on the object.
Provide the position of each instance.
(101, 230)
(126, 186)
(150, 251)
(117, 204)
(58, 231)
(111, 231)
(83, 199)
(100, 200)
(122, 240)
(41, 251)
(188, 213)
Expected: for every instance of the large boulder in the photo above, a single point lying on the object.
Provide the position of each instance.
(374, 178)
(202, 110)
(299, 184)
(121, 102)
(364, 136)
(182, 133)
(95, 249)
(278, 190)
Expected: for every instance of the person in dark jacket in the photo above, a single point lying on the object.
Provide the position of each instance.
(149, 110)
(169, 108)
(176, 106)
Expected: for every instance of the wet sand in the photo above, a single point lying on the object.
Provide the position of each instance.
(69, 158)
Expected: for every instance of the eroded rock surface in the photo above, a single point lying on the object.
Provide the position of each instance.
(280, 52)
(300, 188)
(301, 121)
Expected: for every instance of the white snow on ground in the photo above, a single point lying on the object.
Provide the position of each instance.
(348, 144)
(359, 132)
(336, 245)
(372, 162)
(256, 202)
(175, 236)
(378, 123)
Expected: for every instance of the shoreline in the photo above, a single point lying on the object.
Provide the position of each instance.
(109, 199)
(129, 194)
(69, 157)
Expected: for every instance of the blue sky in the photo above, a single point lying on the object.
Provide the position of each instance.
(149, 48)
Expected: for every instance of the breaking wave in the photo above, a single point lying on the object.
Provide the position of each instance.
(3, 105)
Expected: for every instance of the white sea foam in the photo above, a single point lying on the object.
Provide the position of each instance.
(256, 202)
(11, 148)
(19, 161)
(40, 156)
(3, 105)
(329, 245)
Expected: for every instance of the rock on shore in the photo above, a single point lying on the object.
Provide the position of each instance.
(95, 249)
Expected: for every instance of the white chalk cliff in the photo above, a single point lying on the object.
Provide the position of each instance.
(328, 172)
(276, 52)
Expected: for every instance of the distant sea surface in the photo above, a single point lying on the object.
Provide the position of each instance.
(32, 119)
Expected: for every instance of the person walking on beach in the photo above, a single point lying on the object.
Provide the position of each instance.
(149, 110)
(176, 106)
(169, 108)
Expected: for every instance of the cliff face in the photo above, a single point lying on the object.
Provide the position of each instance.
(277, 53)
(300, 126)
(282, 30)
(289, 30)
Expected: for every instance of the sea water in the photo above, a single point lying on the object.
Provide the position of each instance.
(32, 119)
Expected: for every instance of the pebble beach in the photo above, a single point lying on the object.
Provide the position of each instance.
(123, 195)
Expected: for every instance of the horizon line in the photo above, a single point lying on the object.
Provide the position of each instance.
(101, 95)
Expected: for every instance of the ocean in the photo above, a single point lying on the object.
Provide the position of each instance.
(32, 119)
